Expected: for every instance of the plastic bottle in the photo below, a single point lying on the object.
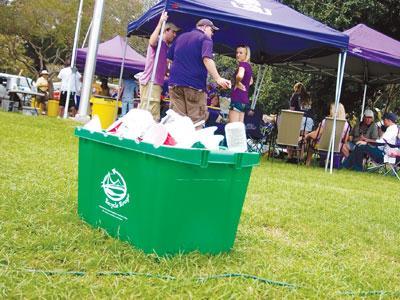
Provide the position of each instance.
(235, 133)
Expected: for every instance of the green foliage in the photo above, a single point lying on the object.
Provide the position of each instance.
(341, 15)
(44, 30)
(326, 234)
(13, 57)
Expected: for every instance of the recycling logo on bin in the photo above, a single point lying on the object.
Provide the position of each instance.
(116, 192)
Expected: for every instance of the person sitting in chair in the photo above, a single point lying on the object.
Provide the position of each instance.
(301, 101)
(365, 131)
(313, 137)
(376, 151)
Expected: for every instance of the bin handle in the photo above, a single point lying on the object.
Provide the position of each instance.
(204, 159)
(238, 160)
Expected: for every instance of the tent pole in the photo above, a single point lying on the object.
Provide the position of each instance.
(343, 65)
(254, 102)
(90, 64)
(87, 34)
(120, 79)
(365, 88)
(332, 139)
(341, 68)
(363, 102)
(153, 73)
(73, 59)
(256, 85)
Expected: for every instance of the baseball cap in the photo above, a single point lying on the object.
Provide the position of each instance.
(44, 72)
(369, 113)
(390, 116)
(207, 22)
(172, 26)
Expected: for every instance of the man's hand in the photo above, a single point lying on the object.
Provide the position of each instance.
(212, 69)
(154, 36)
(224, 83)
(164, 17)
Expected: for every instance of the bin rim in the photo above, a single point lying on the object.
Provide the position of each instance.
(192, 156)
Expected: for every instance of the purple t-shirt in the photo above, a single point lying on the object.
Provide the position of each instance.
(237, 94)
(187, 53)
(161, 65)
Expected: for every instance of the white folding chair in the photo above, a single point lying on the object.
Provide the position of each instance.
(288, 125)
(322, 144)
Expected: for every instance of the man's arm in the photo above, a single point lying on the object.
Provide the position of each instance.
(154, 36)
(212, 69)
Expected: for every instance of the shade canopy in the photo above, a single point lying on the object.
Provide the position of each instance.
(274, 32)
(109, 59)
(373, 58)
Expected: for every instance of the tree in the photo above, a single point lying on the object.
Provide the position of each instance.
(381, 15)
(40, 34)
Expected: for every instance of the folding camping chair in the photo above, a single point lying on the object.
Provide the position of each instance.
(322, 142)
(288, 126)
(257, 132)
(390, 165)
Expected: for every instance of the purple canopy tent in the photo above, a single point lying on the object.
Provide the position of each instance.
(373, 58)
(274, 32)
(110, 57)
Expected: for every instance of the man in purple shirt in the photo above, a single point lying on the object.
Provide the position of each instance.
(168, 36)
(192, 58)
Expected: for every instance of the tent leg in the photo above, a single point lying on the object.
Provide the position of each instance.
(87, 34)
(332, 139)
(257, 92)
(256, 86)
(90, 64)
(153, 73)
(363, 102)
(339, 82)
(120, 79)
(73, 58)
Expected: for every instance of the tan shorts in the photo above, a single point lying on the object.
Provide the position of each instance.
(155, 98)
(188, 102)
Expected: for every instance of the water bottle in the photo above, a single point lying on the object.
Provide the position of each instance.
(236, 137)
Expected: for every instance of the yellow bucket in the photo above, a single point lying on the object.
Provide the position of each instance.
(52, 108)
(105, 110)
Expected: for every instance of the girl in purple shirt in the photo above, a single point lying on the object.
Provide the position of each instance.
(243, 80)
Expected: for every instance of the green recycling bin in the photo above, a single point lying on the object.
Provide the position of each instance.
(162, 200)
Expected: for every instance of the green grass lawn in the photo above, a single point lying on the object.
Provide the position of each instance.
(325, 234)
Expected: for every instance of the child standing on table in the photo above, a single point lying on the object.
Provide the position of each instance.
(243, 80)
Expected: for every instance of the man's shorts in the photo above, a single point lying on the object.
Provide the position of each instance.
(189, 102)
(63, 99)
(238, 106)
(155, 98)
(42, 99)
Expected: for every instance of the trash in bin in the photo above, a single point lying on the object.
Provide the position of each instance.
(162, 200)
